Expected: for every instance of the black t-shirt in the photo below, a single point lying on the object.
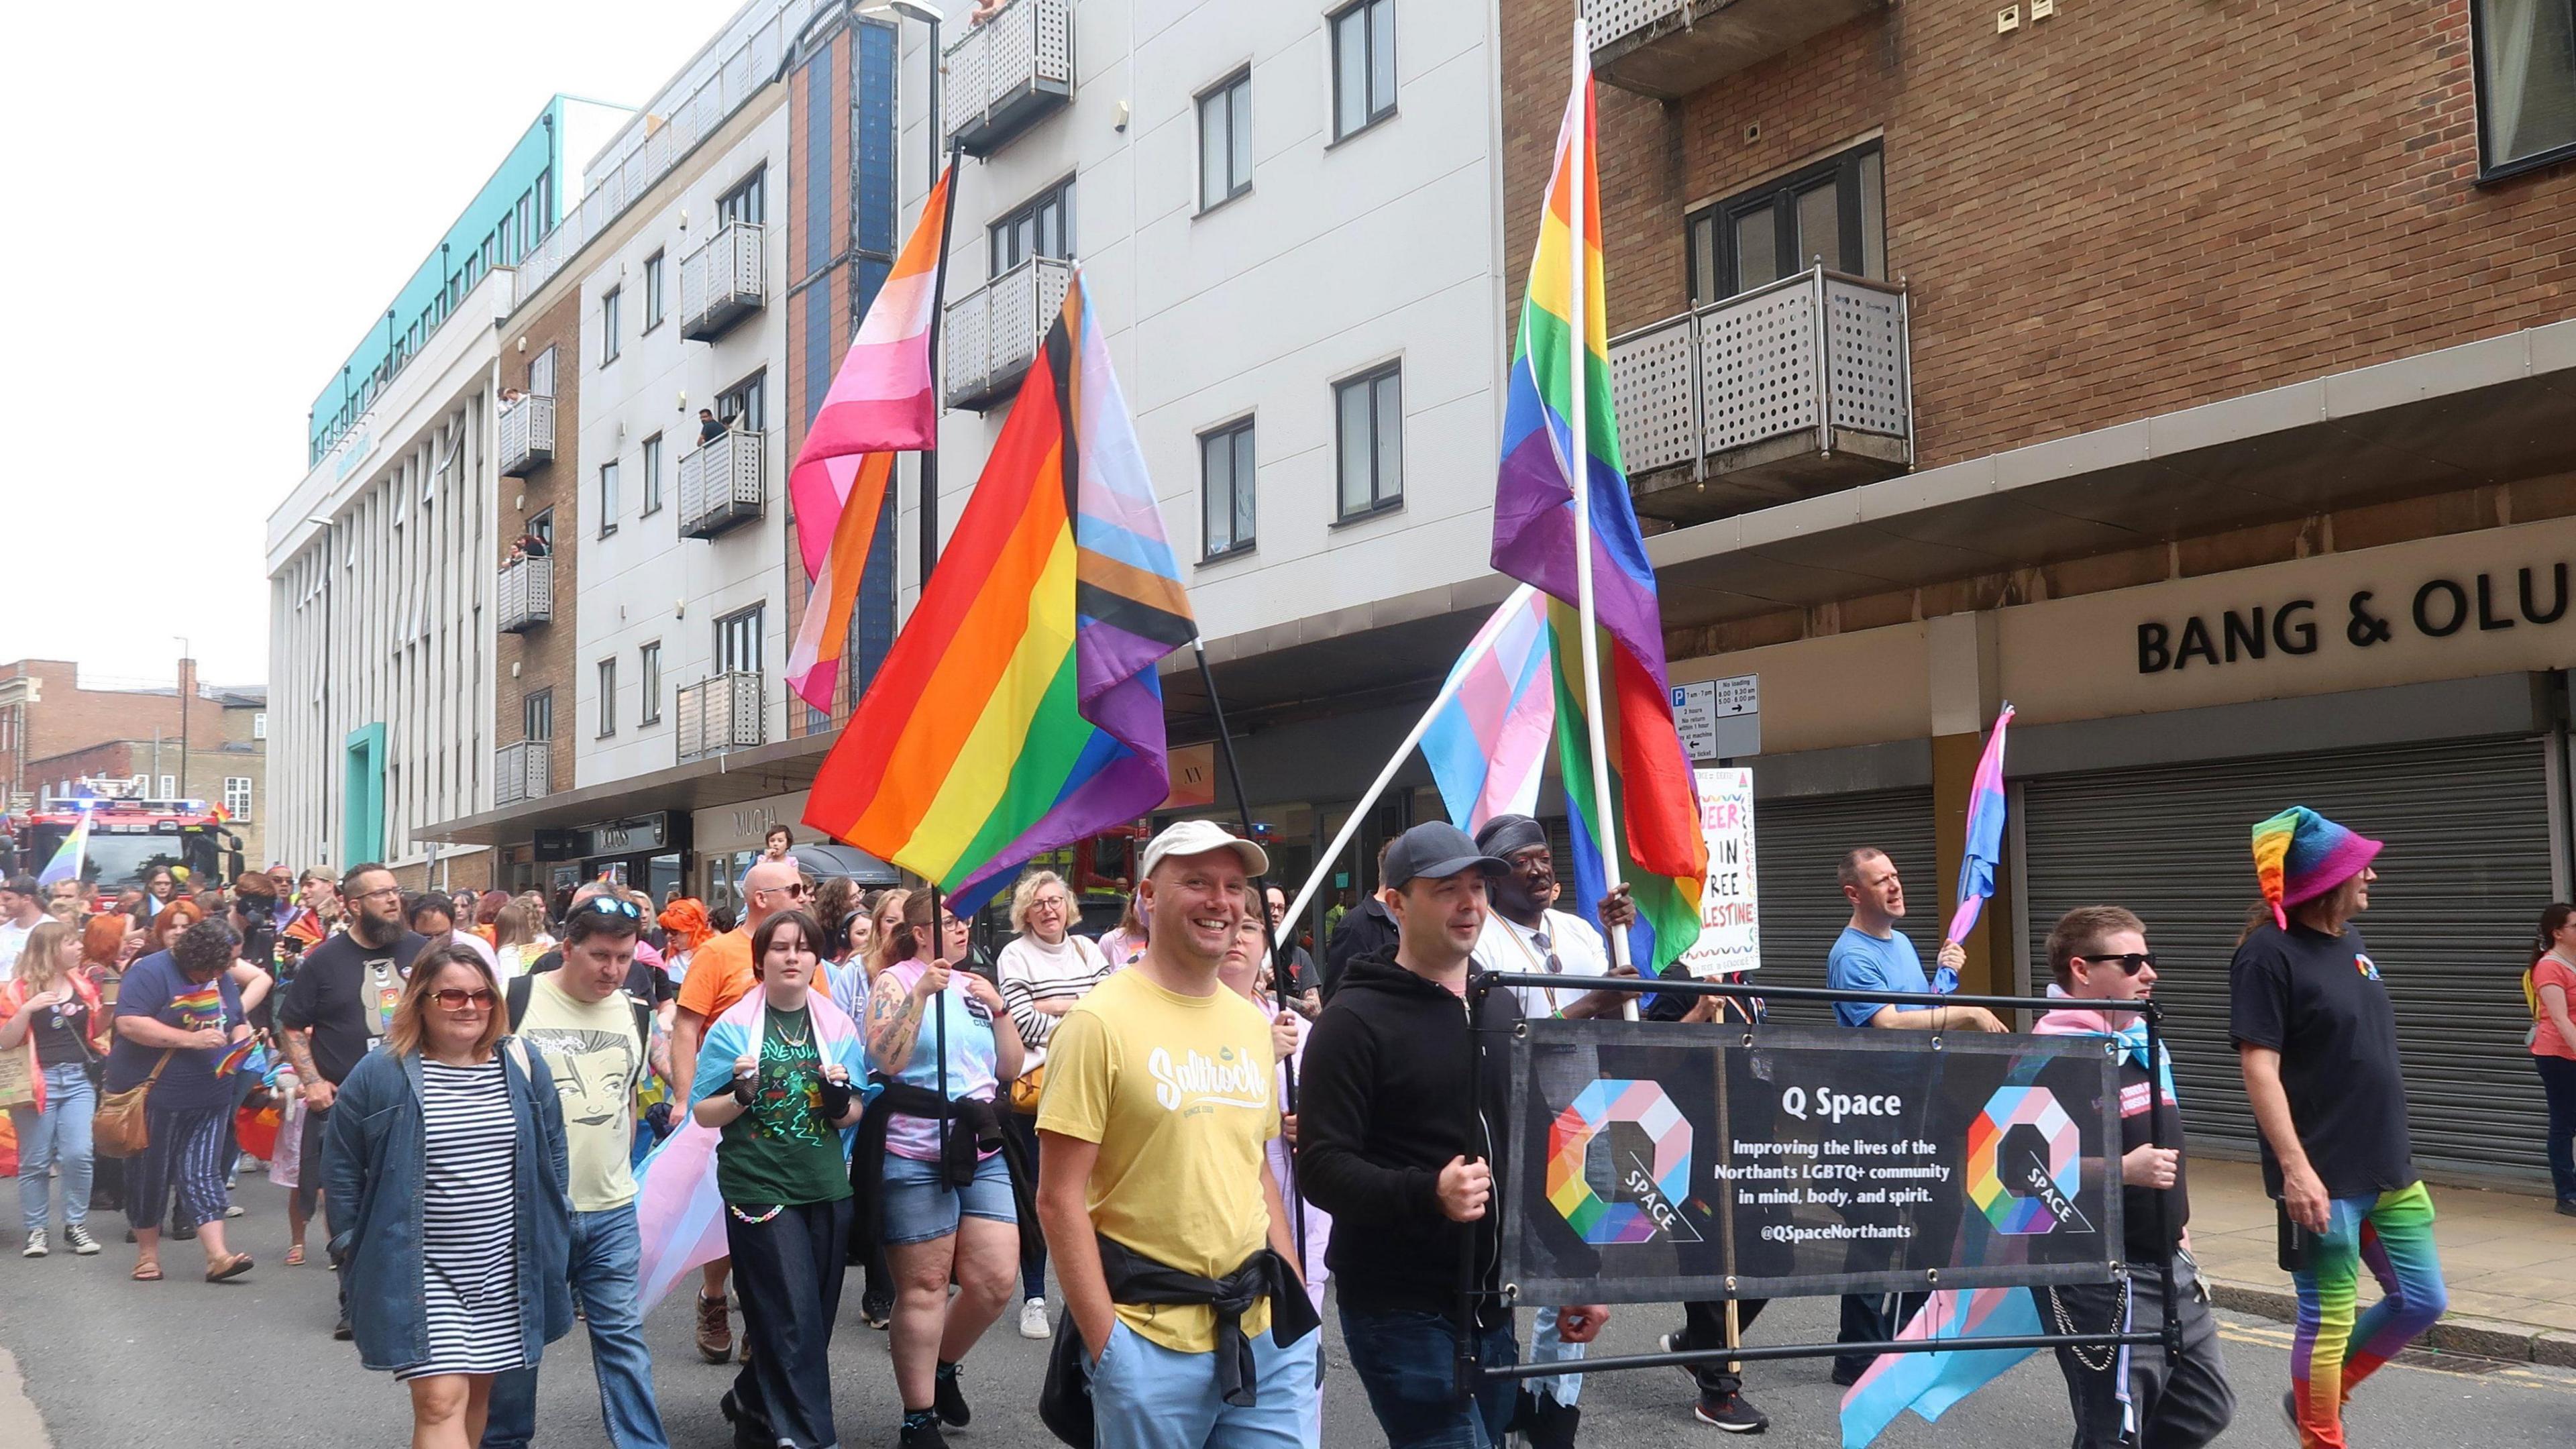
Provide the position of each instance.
(644, 981)
(58, 1031)
(338, 988)
(2138, 1129)
(2318, 1001)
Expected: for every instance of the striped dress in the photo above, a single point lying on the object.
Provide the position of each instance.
(469, 1267)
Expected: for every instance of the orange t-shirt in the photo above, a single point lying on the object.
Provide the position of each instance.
(719, 975)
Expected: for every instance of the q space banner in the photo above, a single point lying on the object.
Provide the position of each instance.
(1651, 1162)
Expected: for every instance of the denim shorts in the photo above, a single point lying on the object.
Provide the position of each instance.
(920, 1207)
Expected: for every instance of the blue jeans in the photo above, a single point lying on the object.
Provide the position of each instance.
(918, 1207)
(1146, 1396)
(57, 1136)
(605, 1253)
(1406, 1359)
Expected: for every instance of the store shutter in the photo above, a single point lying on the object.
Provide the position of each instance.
(2465, 874)
(1798, 843)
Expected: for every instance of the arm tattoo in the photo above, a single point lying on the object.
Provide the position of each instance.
(894, 1018)
(299, 1048)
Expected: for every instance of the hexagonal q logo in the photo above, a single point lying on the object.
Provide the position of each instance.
(1569, 1142)
(2022, 1163)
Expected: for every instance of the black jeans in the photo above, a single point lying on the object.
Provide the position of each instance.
(2182, 1404)
(1872, 1318)
(2558, 1081)
(1024, 1126)
(787, 1272)
(1704, 1326)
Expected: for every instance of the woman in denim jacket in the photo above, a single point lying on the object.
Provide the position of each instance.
(445, 1178)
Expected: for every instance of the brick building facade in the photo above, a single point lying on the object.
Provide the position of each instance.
(540, 660)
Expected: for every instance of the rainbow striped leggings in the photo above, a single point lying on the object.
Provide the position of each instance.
(2393, 1233)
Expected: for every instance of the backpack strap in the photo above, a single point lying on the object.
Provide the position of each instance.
(516, 996)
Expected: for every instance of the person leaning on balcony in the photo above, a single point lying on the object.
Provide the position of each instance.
(710, 427)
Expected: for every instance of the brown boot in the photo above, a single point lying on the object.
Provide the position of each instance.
(715, 1329)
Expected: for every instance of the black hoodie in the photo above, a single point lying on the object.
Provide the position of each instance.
(1382, 1105)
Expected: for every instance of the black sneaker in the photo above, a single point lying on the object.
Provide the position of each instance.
(921, 1431)
(748, 1432)
(341, 1329)
(77, 1238)
(183, 1232)
(1845, 1376)
(2567, 1207)
(1731, 1413)
(949, 1400)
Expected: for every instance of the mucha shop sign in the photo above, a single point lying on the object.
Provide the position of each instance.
(2437, 608)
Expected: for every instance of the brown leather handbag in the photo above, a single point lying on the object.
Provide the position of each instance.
(119, 1128)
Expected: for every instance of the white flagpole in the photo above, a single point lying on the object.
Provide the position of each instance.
(1485, 639)
(1578, 460)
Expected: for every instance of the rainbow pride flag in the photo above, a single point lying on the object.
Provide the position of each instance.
(1487, 746)
(1662, 854)
(1019, 710)
(69, 856)
(880, 403)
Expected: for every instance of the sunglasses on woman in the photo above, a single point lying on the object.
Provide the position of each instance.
(450, 998)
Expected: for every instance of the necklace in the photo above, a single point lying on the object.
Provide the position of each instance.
(1513, 929)
(801, 1038)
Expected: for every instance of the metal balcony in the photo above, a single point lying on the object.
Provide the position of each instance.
(527, 436)
(527, 594)
(722, 484)
(722, 712)
(720, 283)
(989, 337)
(1670, 48)
(1789, 390)
(1008, 74)
(524, 771)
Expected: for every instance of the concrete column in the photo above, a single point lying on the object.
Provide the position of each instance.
(1965, 694)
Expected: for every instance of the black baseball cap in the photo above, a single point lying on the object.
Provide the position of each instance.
(1436, 848)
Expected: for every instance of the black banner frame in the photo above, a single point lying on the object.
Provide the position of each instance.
(1468, 1373)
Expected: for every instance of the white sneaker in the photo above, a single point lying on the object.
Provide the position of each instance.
(36, 1245)
(1033, 1320)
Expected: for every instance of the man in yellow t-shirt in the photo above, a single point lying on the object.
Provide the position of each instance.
(1158, 1103)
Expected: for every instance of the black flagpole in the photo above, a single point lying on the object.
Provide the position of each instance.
(929, 469)
(1269, 948)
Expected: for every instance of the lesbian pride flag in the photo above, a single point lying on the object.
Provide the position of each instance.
(1487, 746)
(880, 404)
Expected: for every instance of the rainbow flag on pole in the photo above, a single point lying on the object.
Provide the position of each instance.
(68, 856)
(1551, 417)
(1487, 746)
(1019, 710)
(880, 403)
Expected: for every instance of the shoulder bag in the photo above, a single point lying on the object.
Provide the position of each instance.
(119, 1128)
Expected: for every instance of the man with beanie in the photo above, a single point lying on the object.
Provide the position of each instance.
(2317, 1040)
(1390, 1147)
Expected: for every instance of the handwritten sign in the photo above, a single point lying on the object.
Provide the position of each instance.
(1730, 936)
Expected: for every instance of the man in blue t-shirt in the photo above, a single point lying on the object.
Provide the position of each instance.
(1871, 955)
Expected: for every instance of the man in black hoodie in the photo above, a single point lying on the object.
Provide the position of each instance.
(1391, 1146)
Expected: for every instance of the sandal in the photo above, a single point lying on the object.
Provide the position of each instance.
(147, 1273)
(295, 1256)
(232, 1267)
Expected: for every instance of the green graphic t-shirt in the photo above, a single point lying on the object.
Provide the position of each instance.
(783, 1150)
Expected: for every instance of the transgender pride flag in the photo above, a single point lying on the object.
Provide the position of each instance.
(1488, 745)
(1929, 1383)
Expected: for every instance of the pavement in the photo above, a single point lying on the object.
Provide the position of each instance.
(90, 1359)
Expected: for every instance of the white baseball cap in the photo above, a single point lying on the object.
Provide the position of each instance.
(1198, 837)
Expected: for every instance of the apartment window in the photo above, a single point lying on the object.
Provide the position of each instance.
(543, 526)
(611, 305)
(1369, 415)
(537, 715)
(1828, 212)
(607, 698)
(169, 788)
(541, 374)
(1042, 226)
(2526, 54)
(1363, 66)
(657, 299)
(747, 202)
(745, 405)
(653, 475)
(1225, 502)
(259, 725)
(1225, 141)
(738, 641)
(648, 673)
(608, 498)
(237, 796)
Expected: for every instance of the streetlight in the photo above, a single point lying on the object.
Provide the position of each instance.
(186, 689)
(928, 463)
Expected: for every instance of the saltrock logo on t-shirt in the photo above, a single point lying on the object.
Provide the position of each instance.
(1232, 1080)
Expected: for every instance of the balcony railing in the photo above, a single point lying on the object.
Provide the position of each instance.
(720, 713)
(527, 436)
(990, 336)
(1008, 74)
(720, 283)
(1670, 48)
(524, 771)
(527, 594)
(1800, 387)
(722, 484)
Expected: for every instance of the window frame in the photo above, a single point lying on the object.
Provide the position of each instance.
(1333, 22)
(648, 679)
(1845, 169)
(612, 316)
(1058, 192)
(653, 451)
(754, 637)
(241, 811)
(1234, 92)
(542, 524)
(1379, 504)
(534, 706)
(608, 481)
(259, 725)
(607, 673)
(2491, 170)
(1245, 428)
(754, 185)
(657, 290)
(753, 383)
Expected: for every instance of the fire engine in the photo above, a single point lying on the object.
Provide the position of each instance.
(130, 834)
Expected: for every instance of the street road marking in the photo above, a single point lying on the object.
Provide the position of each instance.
(2456, 1366)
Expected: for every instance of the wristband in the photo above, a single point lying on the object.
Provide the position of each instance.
(836, 1099)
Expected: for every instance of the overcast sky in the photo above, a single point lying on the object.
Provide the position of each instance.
(214, 203)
